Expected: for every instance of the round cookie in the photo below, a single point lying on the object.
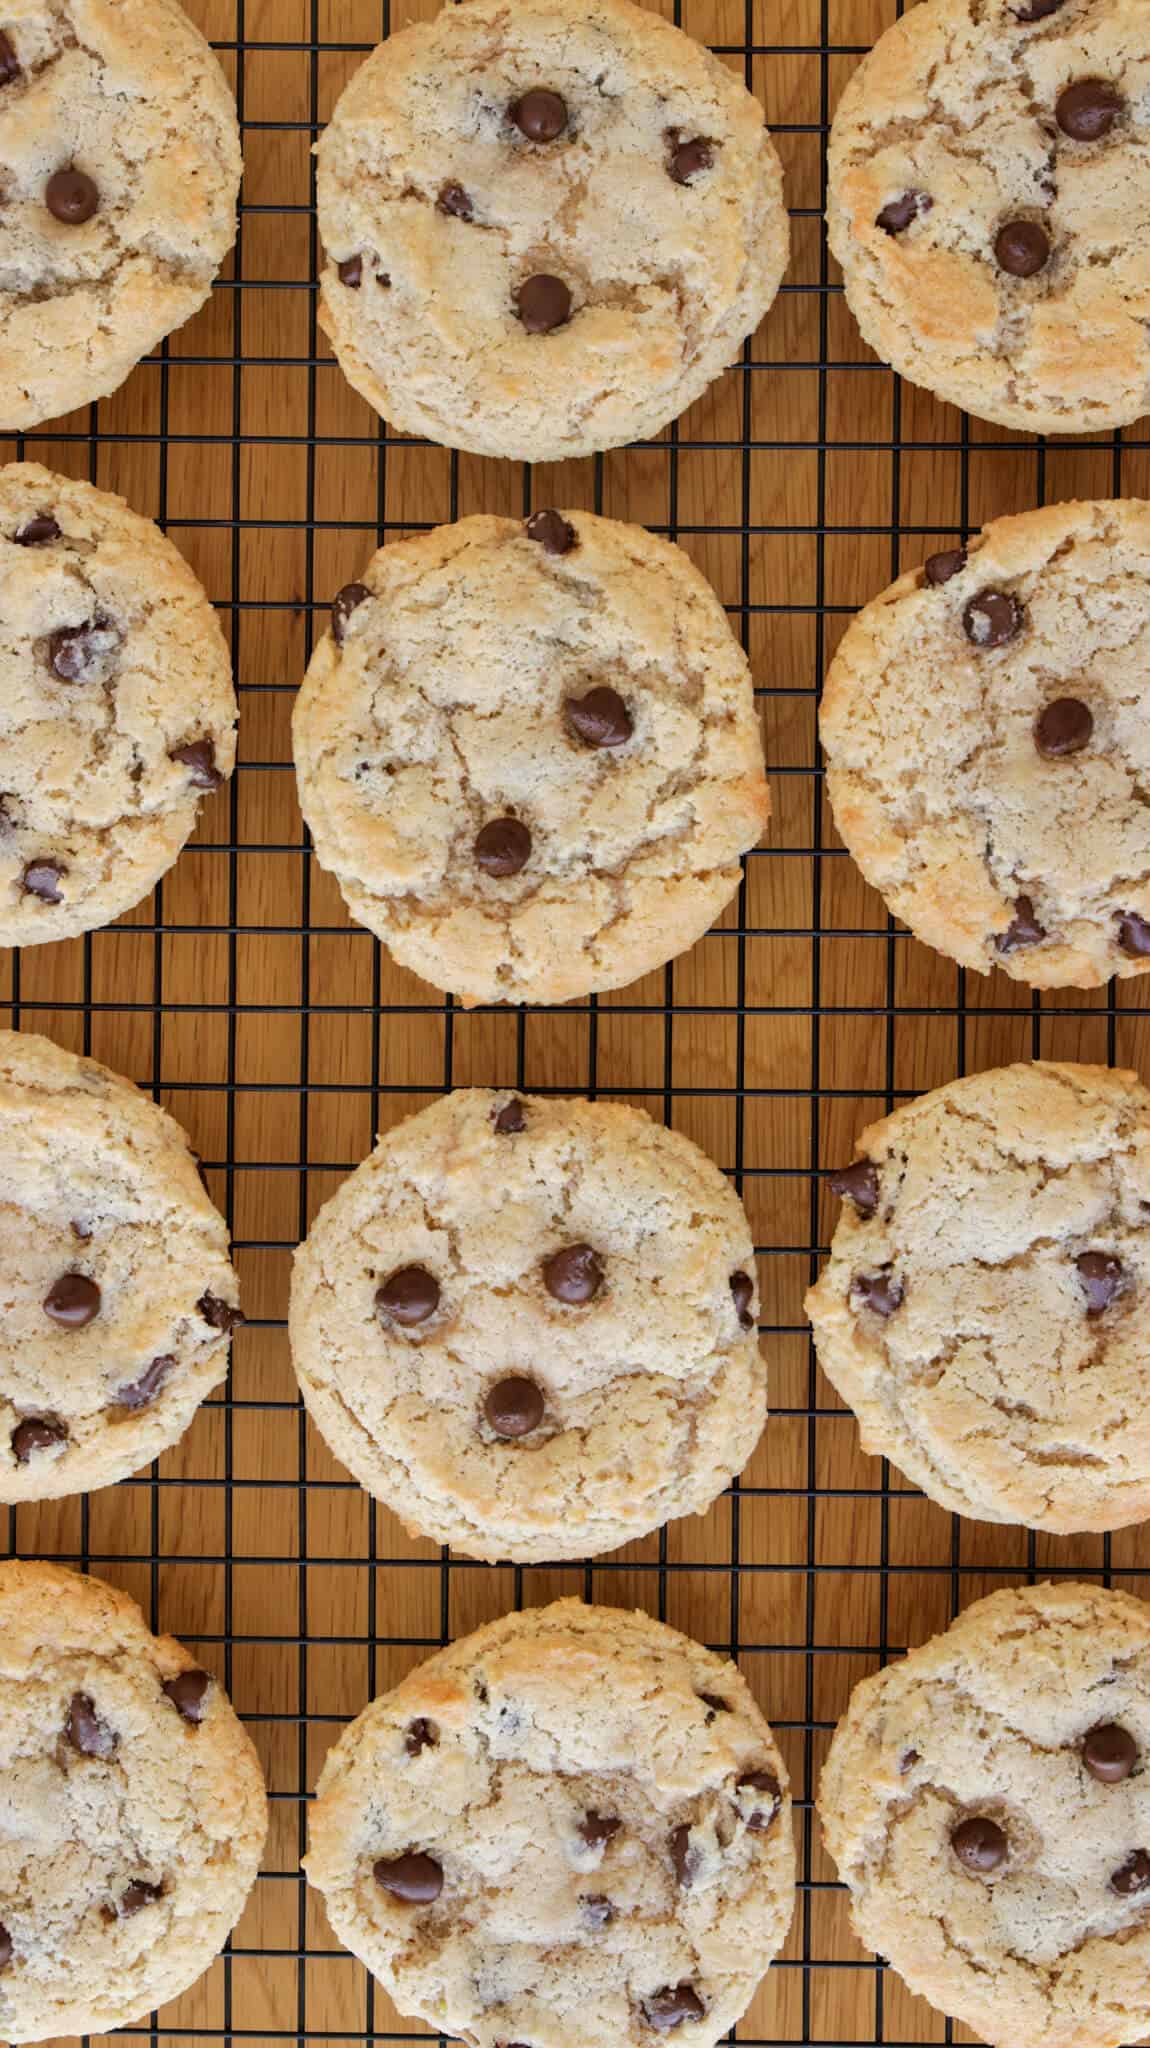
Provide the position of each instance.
(987, 1803)
(118, 711)
(987, 738)
(530, 755)
(529, 1325)
(120, 165)
(572, 1827)
(989, 202)
(134, 1811)
(983, 1306)
(118, 1296)
(547, 229)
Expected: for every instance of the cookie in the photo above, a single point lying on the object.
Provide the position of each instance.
(134, 1810)
(572, 1828)
(987, 739)
(118, 1296)
(117, 711)
(987, 1803)
(530, 755)
(547, 229)
(120, 165)
(530, 1325)
(983, 1306)
(989, 202)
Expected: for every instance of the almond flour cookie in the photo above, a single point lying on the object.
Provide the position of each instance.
(987, 1803)
(116, 705)
(989, 181)
(529, 1325)
(983, 1309)
(986, 723)
(133, 1815)
(571, 1827)
(530, 754)
(120, 165)
(548, 228)
(118, 1295)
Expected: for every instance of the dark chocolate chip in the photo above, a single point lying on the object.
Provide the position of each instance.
(1064, 727)
(1088, 109)
(671, 2007)
(742, 1294)
(1102, 1278)
(687, 159)
(42, 878)
(597, 1910)
(510, 1120)
(600, 719)
(35, 531)
(199, 758)
(540, 115)
(138, 1895)
(141, 1392)
(1022, 248)
(941, 567)
(880, 1292)
(37, 1433)
(597, 1828)
(409, 1296)
(556, 536)
(979, 1843)
(415, 1878)
(343, 604)
(1132, 1876)
(81, 1229)
(1109, 1753)
(455, 201)
(85, 1730)
(71, 196)
(574, 1274)
(1038, 10)
(9, 69)
(543, 303)
(857, 1183)
(73, 1301)
(712, 1701)
(765, 1786)
(80, 654)
(684, 1859)
(992, 618)
(219, 1315)
(421, 1734)
(351, 272)
(897, 214)
(1134, 935)
(5, 1937)
(1023, 929)
(514, 1407)
(907, 1761)
(188, 1692)
(502, 847)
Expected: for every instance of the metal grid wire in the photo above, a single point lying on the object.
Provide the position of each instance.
(283, 1038)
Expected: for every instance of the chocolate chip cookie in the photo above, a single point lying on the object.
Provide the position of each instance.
(133, 1816)
(989, 201)
(986, 724)
(529, 753)
(120, 165)
(119, 1298)
(987, 1803)
(547, 228)
(983, 1307)
(529, 1325)
(573, 1825)
(117, 712)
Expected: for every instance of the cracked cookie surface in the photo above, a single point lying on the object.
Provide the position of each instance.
(533, 763)
(983, 1306)
(117, 1291)
(1032, 1714)
(120, 165)
(987, 738)
(133, 1815)
(118, 710)
(529, 1325)
(601, 1825)
(586, 143)
(989, 202)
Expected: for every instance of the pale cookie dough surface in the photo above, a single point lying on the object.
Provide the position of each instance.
(446, 709)
(950, 129)
(112, 664)
(991, 847)
(983, 1309)
(611, 1821)
(991, 1720)
(435, 208)
(651, 1389)
(133, 1810)
(99, 1183)
(127, 93)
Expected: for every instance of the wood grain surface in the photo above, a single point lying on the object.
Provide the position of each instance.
(283, 1038)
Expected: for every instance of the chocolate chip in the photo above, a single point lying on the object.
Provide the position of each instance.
(907, 1761)
(138, 1895)
(600, 719)
(857, 1183)
(979, 1843)
(765, 1786)
(5, 1937)
(742, 1294)
(1134, 935)
(574, 1274)
(1038, 10)
(73, 1300)
(343, 604)
(880, 1292)
(540, 115)
(1102, 1278)
(556, 536)
(684, 1859)
(672, 2006)
(897, 214)
(1022, 248)
(1087, 110)
(42, 878)
(510, 1120)
(597, 1828)
(199, 758)
(543, 303)
(597, 1911)
(716, 1705)
(687, 159)
(409, 1296)
(72, 196)
(9, 69)
(414, 1878)
(992, 618)
(37, 1433)
(81, 1229)
(1132, 1876)
(454, 201)
(219, 1315)
(141, 1392)
(421, 1734)
(34, 532)
(502, 847)
(85, 1730)
(1023, 929)
(941, 567)
(514, 1407)
(351, 272)
(1109, 1753)
(80, 654)
(1064, 727)
(187, 1692)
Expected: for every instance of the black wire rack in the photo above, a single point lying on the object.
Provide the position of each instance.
(283, 1037)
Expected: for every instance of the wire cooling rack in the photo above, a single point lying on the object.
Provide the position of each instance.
(284, 1038)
